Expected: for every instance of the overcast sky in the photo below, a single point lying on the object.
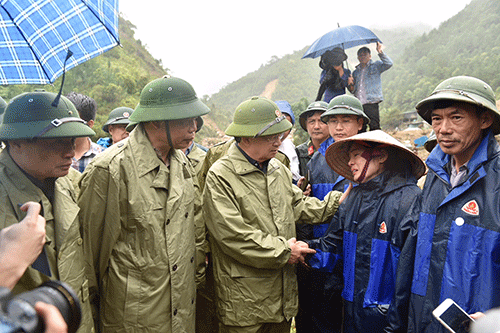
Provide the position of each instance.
(213, 43)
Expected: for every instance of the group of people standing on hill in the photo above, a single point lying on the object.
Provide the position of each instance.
(365, 83)
(230, 239)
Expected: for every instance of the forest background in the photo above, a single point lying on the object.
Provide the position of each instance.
(466, 44)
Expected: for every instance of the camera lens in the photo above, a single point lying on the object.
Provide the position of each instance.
(56, 293)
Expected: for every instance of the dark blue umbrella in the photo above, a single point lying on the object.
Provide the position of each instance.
(343, 37)
(36, 36)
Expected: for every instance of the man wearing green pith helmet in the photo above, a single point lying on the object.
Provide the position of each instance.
(140, 203)
(39, 132)
(251, 207)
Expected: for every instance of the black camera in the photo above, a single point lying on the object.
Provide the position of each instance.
(17, 313)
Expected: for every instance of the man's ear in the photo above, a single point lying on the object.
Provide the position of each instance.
(360, 123)
(90, 123)
(486, 119)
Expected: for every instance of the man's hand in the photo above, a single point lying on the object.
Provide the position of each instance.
(299, 250)
(345, 194)
(380, 47)
(20, 244)
(307, 190)
(52, 318)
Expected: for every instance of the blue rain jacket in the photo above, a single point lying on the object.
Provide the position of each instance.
(458, 248)
(374, 235)
(319, 292)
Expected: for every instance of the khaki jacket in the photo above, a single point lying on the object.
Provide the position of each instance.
(250, 216)
(138, 216)
(196, 157)
(64, 245)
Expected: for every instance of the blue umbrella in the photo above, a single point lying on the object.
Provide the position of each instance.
(38, 36)
(344, 37)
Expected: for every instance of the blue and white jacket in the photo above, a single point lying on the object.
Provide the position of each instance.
(458, 248)
(374, 235)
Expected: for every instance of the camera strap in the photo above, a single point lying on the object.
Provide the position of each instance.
(41, 264)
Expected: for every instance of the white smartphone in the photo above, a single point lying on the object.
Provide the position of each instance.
(453, 317)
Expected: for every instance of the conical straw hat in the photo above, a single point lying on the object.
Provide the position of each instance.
(337, 155)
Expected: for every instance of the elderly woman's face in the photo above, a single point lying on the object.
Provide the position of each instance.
(357, 163)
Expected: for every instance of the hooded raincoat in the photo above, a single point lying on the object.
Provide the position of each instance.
(374, 235)
(250, 217)
(458, 248)
(64, 246)
(139, 225)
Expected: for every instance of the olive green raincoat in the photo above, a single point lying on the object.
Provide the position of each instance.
(196, 157)
(250, 217)
(64, 247)
(139, 225)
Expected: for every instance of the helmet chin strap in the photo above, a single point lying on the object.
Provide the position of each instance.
(169, 137)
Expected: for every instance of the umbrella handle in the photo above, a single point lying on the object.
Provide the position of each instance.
(55, 103)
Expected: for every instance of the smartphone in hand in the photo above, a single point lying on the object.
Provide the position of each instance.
(453, 317)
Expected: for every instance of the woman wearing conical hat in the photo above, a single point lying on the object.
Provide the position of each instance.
(373, 234)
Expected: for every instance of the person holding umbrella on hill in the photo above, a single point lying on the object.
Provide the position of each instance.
(373, 235)
(334, 77)
(368, 83)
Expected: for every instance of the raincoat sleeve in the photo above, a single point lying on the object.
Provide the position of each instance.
(99, 202)
(312, 210)
(200, 238)
(329, 247)
(237, 238)
(410, 208)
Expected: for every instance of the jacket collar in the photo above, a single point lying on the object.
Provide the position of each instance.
(387, 182)
(21, 190)
(243, 166)
(325, 144)
(487, 149)
(144, 154)
(358, 66)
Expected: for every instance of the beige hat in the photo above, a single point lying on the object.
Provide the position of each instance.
(337, 155)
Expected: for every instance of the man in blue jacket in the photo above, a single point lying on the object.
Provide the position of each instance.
(458, 247)
(368, 83)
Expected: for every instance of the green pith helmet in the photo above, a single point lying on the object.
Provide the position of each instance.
(32, 115)
(462, 89)
(345, 104)
(257, 116)
(168, 98)
(118, 116)
(319, 106)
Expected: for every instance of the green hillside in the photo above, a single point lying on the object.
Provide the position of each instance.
(113, 79)
(466, 44)
(297, 79)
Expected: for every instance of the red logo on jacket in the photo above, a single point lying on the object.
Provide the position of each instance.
(383, 228)
(471, 208)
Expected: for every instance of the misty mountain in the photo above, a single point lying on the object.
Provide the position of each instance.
(466, 44)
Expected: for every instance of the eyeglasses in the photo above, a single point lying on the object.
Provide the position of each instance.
(343, 121)
(274, 138)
